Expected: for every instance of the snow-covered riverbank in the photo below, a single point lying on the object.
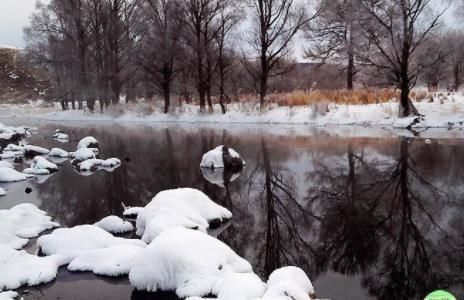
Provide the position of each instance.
(444, 112)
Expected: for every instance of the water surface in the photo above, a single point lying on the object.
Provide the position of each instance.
(366, 218)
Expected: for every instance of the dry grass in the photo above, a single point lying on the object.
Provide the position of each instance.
(362, 96)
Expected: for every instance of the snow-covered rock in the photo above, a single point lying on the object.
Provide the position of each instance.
(88, 142)
(8, 295)
(13, 148)
(42, 163)
(22, 222)
(20, 268)
(7, 155)
(6, 164)
(132, 212)
(114, 224)
(90, 165)
(83, 154)
(39, 172)
(111, 163)
(57, 152)
(289, 283)
(2, 192)
(70, 243)
(222, 157)
(112, 261)
(186, 261)
(186, 207)
(11, 175)
(61, 136)
(32, 151)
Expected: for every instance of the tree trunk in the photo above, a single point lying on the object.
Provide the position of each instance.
(263, 91)
(350, 71)
(167, 94)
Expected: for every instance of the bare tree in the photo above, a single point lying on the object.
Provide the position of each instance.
(276, 22)
(432, 62)
(455, 59)
(336, 35)
(159, 44)
(395, 29)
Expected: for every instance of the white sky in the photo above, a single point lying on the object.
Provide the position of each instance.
(14, 15)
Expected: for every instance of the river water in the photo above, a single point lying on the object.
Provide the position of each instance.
(366, 218)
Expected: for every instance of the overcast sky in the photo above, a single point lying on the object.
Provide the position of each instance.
(14, 15)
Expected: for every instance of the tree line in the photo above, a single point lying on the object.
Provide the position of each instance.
(99, 50)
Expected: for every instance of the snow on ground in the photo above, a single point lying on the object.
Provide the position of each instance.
(440, 113)
(114, 224)
(186, 207)
(20, 268)
(11, 175)
(71, 243)
(22, 222)
(186, 261)
(9, 295)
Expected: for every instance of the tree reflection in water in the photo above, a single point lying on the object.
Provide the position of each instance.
(362, 208)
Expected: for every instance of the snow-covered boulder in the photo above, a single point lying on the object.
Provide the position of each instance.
(7, 155)
(20, 268)
(112, 261)
(114, 224)
(90, 165)
(186, 261)
(289, 283)
(6, 164)
(38, 172)
(111, 163)
(2, 192)
(60, 136)
(57, 152)
(42, 163)
(70, 243)
(22, 222)
(14, 148)
(222, 157)
(88, 142)
(83, 154)
(132, 212)
(8, 295)
(186, 207)
(32, 151)
(11, 175)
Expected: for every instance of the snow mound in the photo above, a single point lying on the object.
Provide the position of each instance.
(186, 207)
(22, 222)
(8, 295)
(31, 151)
(23, 268)
(57, 152)
(112, 261)
(87, 142)
(60, 135)
(222, 157)
(11, 175)
(2, 192)
(70, 243)
(7, 155)
(6, 164)
(83, 154)
(114, 224)
(289, 283)
(186, 261)
(41, 163)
